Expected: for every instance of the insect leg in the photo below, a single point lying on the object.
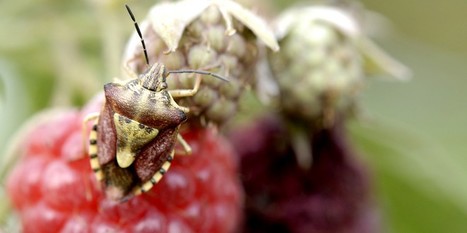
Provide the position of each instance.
(156, 177)
(186, 147)
(187, 92)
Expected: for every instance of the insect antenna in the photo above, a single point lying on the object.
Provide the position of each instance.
(198, 72)
(139, 33)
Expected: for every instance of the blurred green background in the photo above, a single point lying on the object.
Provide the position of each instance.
(417, 144)
(412, 134)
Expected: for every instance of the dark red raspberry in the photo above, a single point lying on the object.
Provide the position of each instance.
(333, 196)
(54, 190)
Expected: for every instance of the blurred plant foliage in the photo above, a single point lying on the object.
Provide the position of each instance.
(59, 53)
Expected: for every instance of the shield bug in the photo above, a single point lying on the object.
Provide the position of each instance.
(132, 141)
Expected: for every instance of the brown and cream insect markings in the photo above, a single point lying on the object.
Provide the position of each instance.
(131, 144)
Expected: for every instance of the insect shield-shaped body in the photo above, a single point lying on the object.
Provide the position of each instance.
(132, 143)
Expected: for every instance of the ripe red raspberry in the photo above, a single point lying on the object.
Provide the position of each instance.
(54, 190)
(333, 196)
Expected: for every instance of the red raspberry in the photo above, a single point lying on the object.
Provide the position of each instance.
(333, 196)
(54, 190)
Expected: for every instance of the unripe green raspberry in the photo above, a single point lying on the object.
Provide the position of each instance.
(218, 36)
(322, 63)
(318, 70)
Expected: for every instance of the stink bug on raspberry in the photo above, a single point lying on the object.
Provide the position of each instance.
(131, 144)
